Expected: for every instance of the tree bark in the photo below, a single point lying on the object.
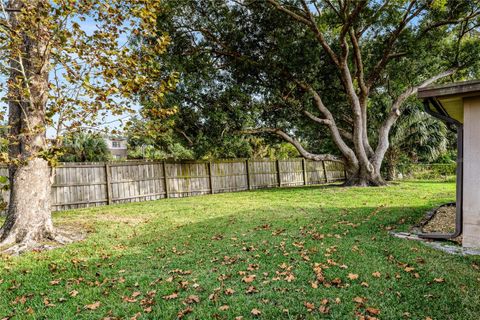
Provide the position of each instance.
(362, 177)
(29, 219)
(29, 215)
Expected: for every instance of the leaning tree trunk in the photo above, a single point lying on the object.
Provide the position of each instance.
(28, 217)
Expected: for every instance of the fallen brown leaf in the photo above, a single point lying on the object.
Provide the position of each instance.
(93, 306)
(184, 312)
(310, 306)
(324, 309)
(171, 296)
(359, 300)
(255, 312)
(352, 276)
(251, 289)
(229, 291)
(249, 278)
(373, 311)
(192, 299)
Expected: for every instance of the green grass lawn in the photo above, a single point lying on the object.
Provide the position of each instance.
(292, 253)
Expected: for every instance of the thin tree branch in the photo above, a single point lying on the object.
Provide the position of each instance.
(380, 65)
(317, 119)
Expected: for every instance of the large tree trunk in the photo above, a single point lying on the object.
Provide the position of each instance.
(28, 218)
(361, 177)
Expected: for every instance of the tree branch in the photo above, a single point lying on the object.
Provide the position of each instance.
(380, 65)
(292, 14)
(395, 112)
(309, 21)
(294, 142)
(448, 22)
(317, 119)
(336, 136)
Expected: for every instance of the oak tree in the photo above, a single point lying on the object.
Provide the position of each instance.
(311, 67)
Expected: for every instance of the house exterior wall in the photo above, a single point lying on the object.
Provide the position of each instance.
(118, 147)
(471, 176)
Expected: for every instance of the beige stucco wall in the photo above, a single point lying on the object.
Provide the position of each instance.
(471, 177)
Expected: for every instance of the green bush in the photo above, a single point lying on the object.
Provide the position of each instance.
(444, 171)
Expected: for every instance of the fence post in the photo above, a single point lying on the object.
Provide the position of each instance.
(210, 176)
(108, 183)
(165, 179)
(325, 171)
(279, 176)
(247, 167)
(304, 170)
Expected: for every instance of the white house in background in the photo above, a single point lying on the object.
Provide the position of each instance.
(118, 147)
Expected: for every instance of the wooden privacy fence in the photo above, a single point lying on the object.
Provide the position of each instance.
(79, 185)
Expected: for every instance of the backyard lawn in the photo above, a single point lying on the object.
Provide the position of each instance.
(290, 253)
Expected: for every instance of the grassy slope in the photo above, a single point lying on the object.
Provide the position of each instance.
(138, 248)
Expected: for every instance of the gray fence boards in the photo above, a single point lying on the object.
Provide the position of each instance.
(79, 185)
(229, 176)
(291, 172)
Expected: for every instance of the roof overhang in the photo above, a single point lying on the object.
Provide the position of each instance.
(446, 101)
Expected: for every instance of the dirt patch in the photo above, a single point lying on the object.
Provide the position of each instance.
(442, 221)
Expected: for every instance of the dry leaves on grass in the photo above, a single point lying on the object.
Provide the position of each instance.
(93, 306)
(310, 306)
(192, 299)
(229, 291)
(184, 312)
(251, 290)
(55, 282)
(171, 296)
(249, 278)
(352, 276)
(373, 311)
(255, 312)
(359, 300)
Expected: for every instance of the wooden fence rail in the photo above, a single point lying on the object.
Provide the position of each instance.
(79, 185)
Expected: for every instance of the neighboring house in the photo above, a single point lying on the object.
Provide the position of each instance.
(118, 147)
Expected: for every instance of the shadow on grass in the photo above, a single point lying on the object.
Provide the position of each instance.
(216, 249)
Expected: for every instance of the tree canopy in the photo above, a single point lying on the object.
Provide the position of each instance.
(327, 77)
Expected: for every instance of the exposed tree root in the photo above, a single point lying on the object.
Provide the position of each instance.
(58, 238)
(358, 182)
